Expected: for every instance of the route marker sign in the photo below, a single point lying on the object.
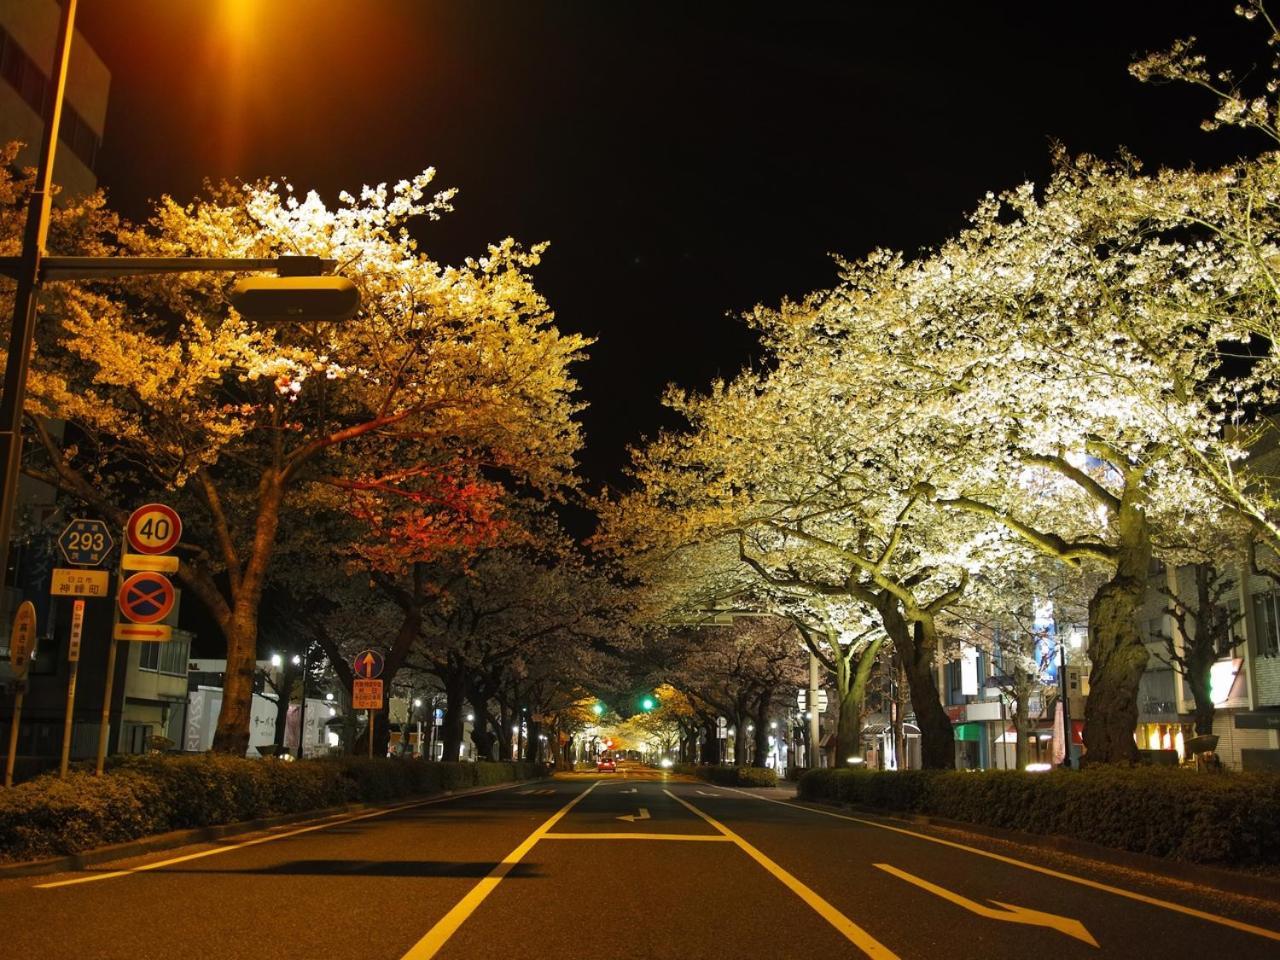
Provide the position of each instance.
(146, 597)
(79, 583)
(22, 638)
(368, 666)
(85, 543)
(366, 695)
(153, 528)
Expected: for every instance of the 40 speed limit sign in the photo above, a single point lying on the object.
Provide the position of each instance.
(154, 528)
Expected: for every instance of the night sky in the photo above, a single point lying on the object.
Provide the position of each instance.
(685, 161)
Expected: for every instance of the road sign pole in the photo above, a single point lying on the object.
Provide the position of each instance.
(369, 714)
(105, 730)
(13, 732)
(73, 657)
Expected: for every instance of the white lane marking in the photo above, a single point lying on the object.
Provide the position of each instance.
(851, 931)
(633, 817)
(1036, 868)
(1010, 913)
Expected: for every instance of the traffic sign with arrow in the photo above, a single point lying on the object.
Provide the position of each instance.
(368, 664)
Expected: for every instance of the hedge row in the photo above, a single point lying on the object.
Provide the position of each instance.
(141, 796)
(1231, 819)
(730, 776)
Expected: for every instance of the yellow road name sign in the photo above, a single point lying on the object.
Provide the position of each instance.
(79, 583)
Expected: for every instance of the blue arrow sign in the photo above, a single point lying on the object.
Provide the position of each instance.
(86, 543)
(368, 664)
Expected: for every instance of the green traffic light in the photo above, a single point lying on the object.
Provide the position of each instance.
(597, 708)
(648, 703)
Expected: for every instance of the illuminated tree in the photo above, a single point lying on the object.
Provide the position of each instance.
(165, 387)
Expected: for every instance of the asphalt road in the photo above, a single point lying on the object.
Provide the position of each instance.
(616, 867)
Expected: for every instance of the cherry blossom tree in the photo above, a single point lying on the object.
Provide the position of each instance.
(166, 387)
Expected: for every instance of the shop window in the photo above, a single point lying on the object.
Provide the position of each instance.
(149, 656)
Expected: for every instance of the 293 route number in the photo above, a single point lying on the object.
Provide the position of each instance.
(93, 541)
(154, 528)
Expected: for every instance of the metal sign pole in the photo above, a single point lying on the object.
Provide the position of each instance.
(369, 715)
(104, 731)
(13, 732)
(815, 733)
(73, 657)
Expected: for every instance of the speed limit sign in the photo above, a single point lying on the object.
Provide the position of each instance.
(154, 528)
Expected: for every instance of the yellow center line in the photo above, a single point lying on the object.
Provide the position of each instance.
(447, 925)
(1071, 878)
(703, 837)
(851, 931)
(128, 871)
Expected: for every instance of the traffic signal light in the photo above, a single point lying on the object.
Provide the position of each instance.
(648, 703)
(597, 708)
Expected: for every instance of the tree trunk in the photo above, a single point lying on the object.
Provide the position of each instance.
(1022, 725)
(533, 744)
(852, 672)
(917, 644)
(711, 748)
(503, 734)
(1116, 648)
(455, 703)
(481, 734)
(232, 733)
(741, 739)
(762, 732)
(1198, 673)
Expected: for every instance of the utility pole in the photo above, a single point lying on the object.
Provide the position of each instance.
(1063, 686)
(814, 760)
(26, 296)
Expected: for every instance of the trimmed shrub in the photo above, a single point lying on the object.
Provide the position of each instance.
(1178, 814)
(152, 794)
(729, 776)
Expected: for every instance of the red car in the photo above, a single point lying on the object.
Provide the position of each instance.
(606, 763)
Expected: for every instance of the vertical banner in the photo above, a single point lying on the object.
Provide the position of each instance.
(73, 659)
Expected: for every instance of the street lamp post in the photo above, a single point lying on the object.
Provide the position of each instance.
(302, 707)
(290, 298)
(27, 274)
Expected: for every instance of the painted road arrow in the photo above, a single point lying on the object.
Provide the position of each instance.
(1008, 912)
(632, 790)
(633, 817)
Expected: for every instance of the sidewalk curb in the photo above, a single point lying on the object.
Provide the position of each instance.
(1219, 878)
(182, 838)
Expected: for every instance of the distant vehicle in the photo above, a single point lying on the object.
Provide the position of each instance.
(606, 763)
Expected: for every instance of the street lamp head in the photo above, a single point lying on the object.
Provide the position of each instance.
(276, 660)
(297, 660)
(328, 696)
(295, 299)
